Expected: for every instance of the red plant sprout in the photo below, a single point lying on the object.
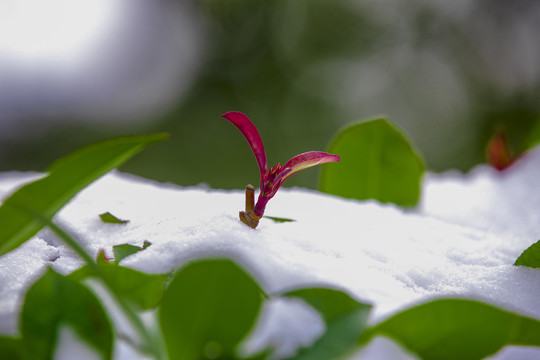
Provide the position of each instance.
(498, 152)
(272, 179)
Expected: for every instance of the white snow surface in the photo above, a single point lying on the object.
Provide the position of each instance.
(461, 241)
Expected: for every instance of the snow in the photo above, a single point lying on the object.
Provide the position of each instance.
(461, 241)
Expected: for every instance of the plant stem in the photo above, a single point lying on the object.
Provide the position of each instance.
(250, 197)
(249, 217)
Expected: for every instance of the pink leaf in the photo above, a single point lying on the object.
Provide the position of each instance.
(244, 124)
(304, 161)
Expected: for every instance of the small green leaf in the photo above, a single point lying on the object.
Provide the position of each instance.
(11, 348)
(345, 320)
(56, 300)
(124, 250)
(530, 257)
(111, 219)
(279, 219)
(458, 329)
(377, 162)
(66, 178)
(144, 290)
(210, 304)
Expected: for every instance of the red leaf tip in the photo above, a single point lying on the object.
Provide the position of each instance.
(250, 132)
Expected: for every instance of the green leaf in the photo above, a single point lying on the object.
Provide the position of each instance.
(66, 178)
(377, 162)
(345, 320)
(331, 304)
(111, 219)
(56, 300)
(144, 290)
(279, 219)
(530, 257)
(208, 308)
(458, 329)
(533, 136)
(124, 250)
(11, 348)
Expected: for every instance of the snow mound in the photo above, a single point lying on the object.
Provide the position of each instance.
(461, 241)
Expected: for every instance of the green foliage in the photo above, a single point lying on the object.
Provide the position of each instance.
(124, 250)
(111, 219)
(11, 348)
(345, 319)
(211, 305)
(143, 290)
(208, 308)
(66, 178)
(56, 300)
(532, 138)
(377, 162)
(331, 304)
(458, 329)
(279, 219)
(530, 257)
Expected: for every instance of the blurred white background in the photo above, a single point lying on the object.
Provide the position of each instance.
(95, 60)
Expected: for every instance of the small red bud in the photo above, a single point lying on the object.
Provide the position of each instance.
(498, 152)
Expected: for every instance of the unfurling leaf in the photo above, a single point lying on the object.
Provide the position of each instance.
(271, 180)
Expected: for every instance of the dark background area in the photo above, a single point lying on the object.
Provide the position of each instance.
(449, 74)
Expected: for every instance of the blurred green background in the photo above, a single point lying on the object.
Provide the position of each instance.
(449, 73)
